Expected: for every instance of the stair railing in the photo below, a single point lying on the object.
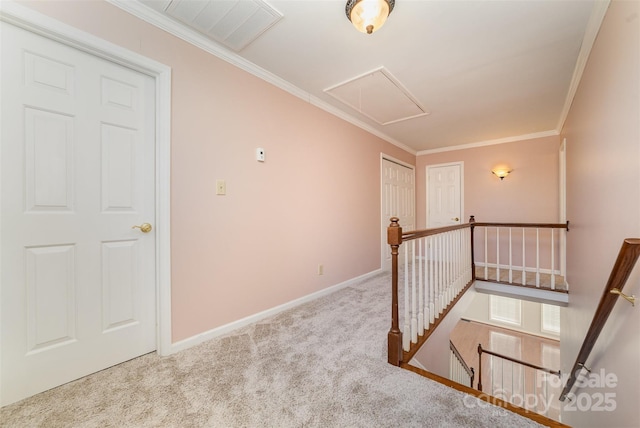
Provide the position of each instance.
(459, 371)
(627, 258)
(523, 384)
(438, 266)
(521, 254)
(437, 270)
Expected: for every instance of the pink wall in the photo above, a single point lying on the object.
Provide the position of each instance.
(529, 194)
(316, 200)
(603, 203)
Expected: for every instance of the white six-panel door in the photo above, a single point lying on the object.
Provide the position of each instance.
(398, 200)
(444, 195)
(77, 172)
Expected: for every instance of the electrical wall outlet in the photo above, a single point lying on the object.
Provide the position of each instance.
(260, 154)
(320, 269)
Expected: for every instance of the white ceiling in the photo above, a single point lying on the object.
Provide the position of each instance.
(483, 70)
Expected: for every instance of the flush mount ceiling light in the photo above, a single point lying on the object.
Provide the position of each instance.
(368, 15)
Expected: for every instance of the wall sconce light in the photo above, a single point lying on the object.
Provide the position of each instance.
(368, 15)
(501, 172)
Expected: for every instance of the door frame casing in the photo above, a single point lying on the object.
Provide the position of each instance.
(426, 180)
(383, 231)
(562, 155)
(35, 22)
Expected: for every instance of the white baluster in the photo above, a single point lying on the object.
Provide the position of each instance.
(451, 367)
(469, 254)
(414, 297)
(449, 259)
(463, 257)
(553, 264)
(524, 263)
(524, 390)
(427, 284)
(440, 273)
(459, 255)
(497, 254)
(486, 260)
(432, 279)
(406, 336)
(467, 251)
(456, 263)
(524, 382)
(493, 369)
(563, 256)
(466, 263)
(537, 257)
(455, 251)
(420, 290)
(447, 269)
(535, 385)
(512, 364)
(510, 260)
(501, 374)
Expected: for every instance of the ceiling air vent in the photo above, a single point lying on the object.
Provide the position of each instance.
(233, 23)
(379, 96)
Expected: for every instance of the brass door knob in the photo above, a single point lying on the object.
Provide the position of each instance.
(455, 219)
(144, 227)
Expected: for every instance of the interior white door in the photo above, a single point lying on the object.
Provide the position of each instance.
(77, 172)
(398, 200)
(444, 195)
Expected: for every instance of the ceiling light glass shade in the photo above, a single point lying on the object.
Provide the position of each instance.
(368, 15)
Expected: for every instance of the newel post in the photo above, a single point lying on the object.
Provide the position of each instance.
(472, 223)
(394, 338)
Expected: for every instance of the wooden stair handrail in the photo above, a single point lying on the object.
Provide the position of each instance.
(525, 225)
(627, 258)
(513, 360)
(415, 234)
(537, 417)
(470, 371)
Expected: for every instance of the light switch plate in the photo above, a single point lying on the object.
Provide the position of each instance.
(221, 187)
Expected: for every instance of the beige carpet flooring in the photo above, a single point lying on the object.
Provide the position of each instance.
(321, 364)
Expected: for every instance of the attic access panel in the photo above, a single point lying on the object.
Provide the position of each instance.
(379, 96)
(233, 23)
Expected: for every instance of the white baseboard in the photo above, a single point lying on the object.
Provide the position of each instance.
(227, 328)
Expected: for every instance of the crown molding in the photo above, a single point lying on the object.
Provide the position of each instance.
(342, 115)
(598, 12)
(543, 134)
(193, 37)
